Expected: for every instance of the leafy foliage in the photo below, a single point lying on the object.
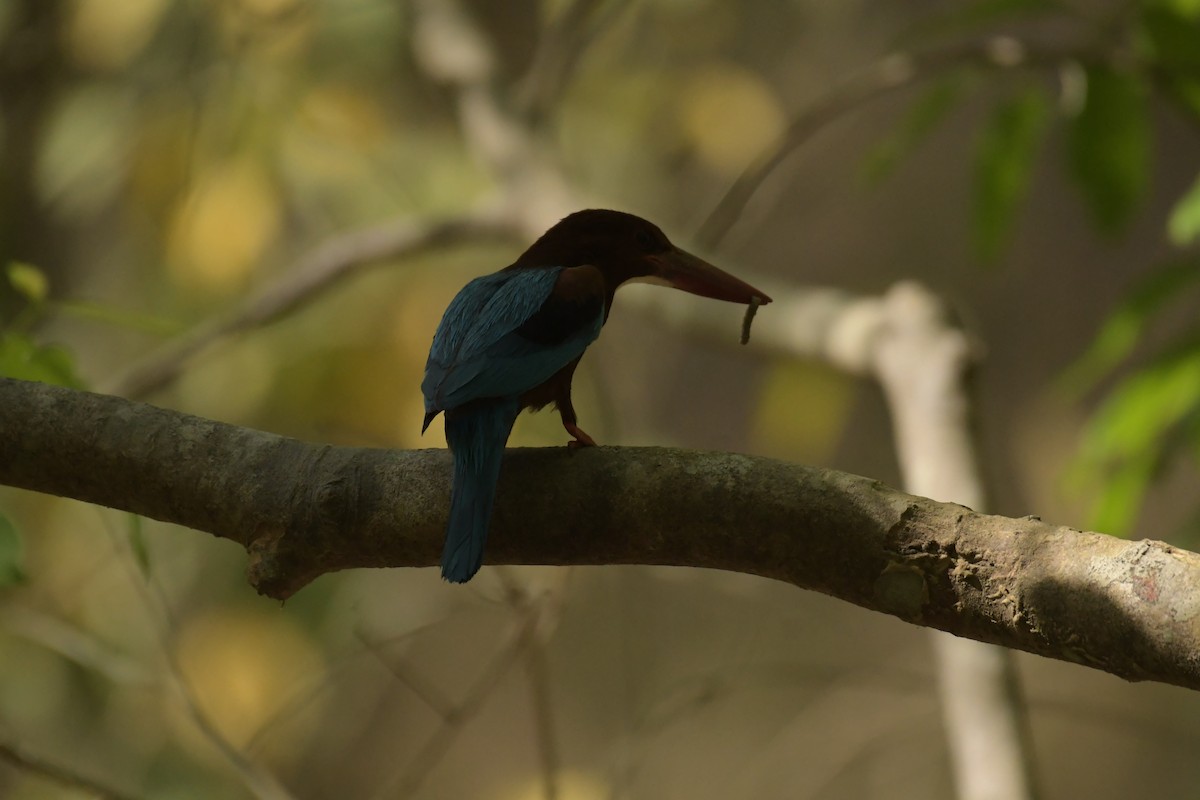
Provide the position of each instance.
(1143, 424)
(1150, 417)
(933, 106)
(1109, 146)
(138, 546)
(21, 356)
(1109, 133)
(11, 554)
(1125, 327)
(29, 281)
(1170, 35)
(1003, 164)
(1151, 414)
(1183, 226)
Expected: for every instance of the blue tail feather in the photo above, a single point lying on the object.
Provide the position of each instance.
(476, 435)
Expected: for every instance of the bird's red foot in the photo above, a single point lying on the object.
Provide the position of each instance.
(581, 439)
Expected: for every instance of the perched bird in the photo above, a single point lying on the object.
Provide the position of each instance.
(511, 340)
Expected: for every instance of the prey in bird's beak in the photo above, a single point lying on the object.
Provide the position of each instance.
(682, 270)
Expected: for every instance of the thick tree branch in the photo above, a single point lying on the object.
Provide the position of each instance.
(302, 510)
(18, 757)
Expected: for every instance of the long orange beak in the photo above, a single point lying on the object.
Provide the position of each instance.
(685, 271)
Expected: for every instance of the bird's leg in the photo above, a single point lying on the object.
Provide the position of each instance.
(581, 438)
(567, 411)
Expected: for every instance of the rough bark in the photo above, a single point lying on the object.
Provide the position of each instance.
(303, 509)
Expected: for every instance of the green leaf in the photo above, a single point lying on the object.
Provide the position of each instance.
(1115, 510)
(925, 114)
(29, 281)
(137, 544)
(1183, 226)
(1169, 38)
(1170, 35)
(1123, 329)
(11, 554)
(1141, 426)
(1189, 9)
(1004, 161)
(21, 357)
(1187, 93)
(1109, 147)
(1144, 407)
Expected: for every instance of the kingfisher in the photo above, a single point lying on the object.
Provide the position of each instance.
(512, 340)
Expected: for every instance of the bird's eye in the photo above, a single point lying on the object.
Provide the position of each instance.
(648, 241)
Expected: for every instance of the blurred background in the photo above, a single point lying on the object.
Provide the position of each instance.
(161, 161)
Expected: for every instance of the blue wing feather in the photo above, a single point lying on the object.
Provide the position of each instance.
(478, 351)
(500, 301)
(502, 335)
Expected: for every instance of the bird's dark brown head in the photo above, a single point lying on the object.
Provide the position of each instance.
(611, 240)
(625, 247)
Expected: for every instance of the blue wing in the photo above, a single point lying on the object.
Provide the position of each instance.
(506, 333)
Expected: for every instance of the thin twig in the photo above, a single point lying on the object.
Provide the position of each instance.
(313, 274)
(262, 783)
(537, 668)
(258, 780)
(674, 704)
(304, 696)
(452, 50)
(22, 760)
(892, 72)
(424, 760)
(414, 681)
(74, 644)
(560, 48)
(532, 191)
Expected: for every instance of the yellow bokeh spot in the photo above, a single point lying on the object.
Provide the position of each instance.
(105, 35)
(160, 158)
(244, 668)
(223, 226)
(234, 386)
(729, 115)
(571, 785)
(802, 411)
(1187, 8)
(345, 115)
(277, 30)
